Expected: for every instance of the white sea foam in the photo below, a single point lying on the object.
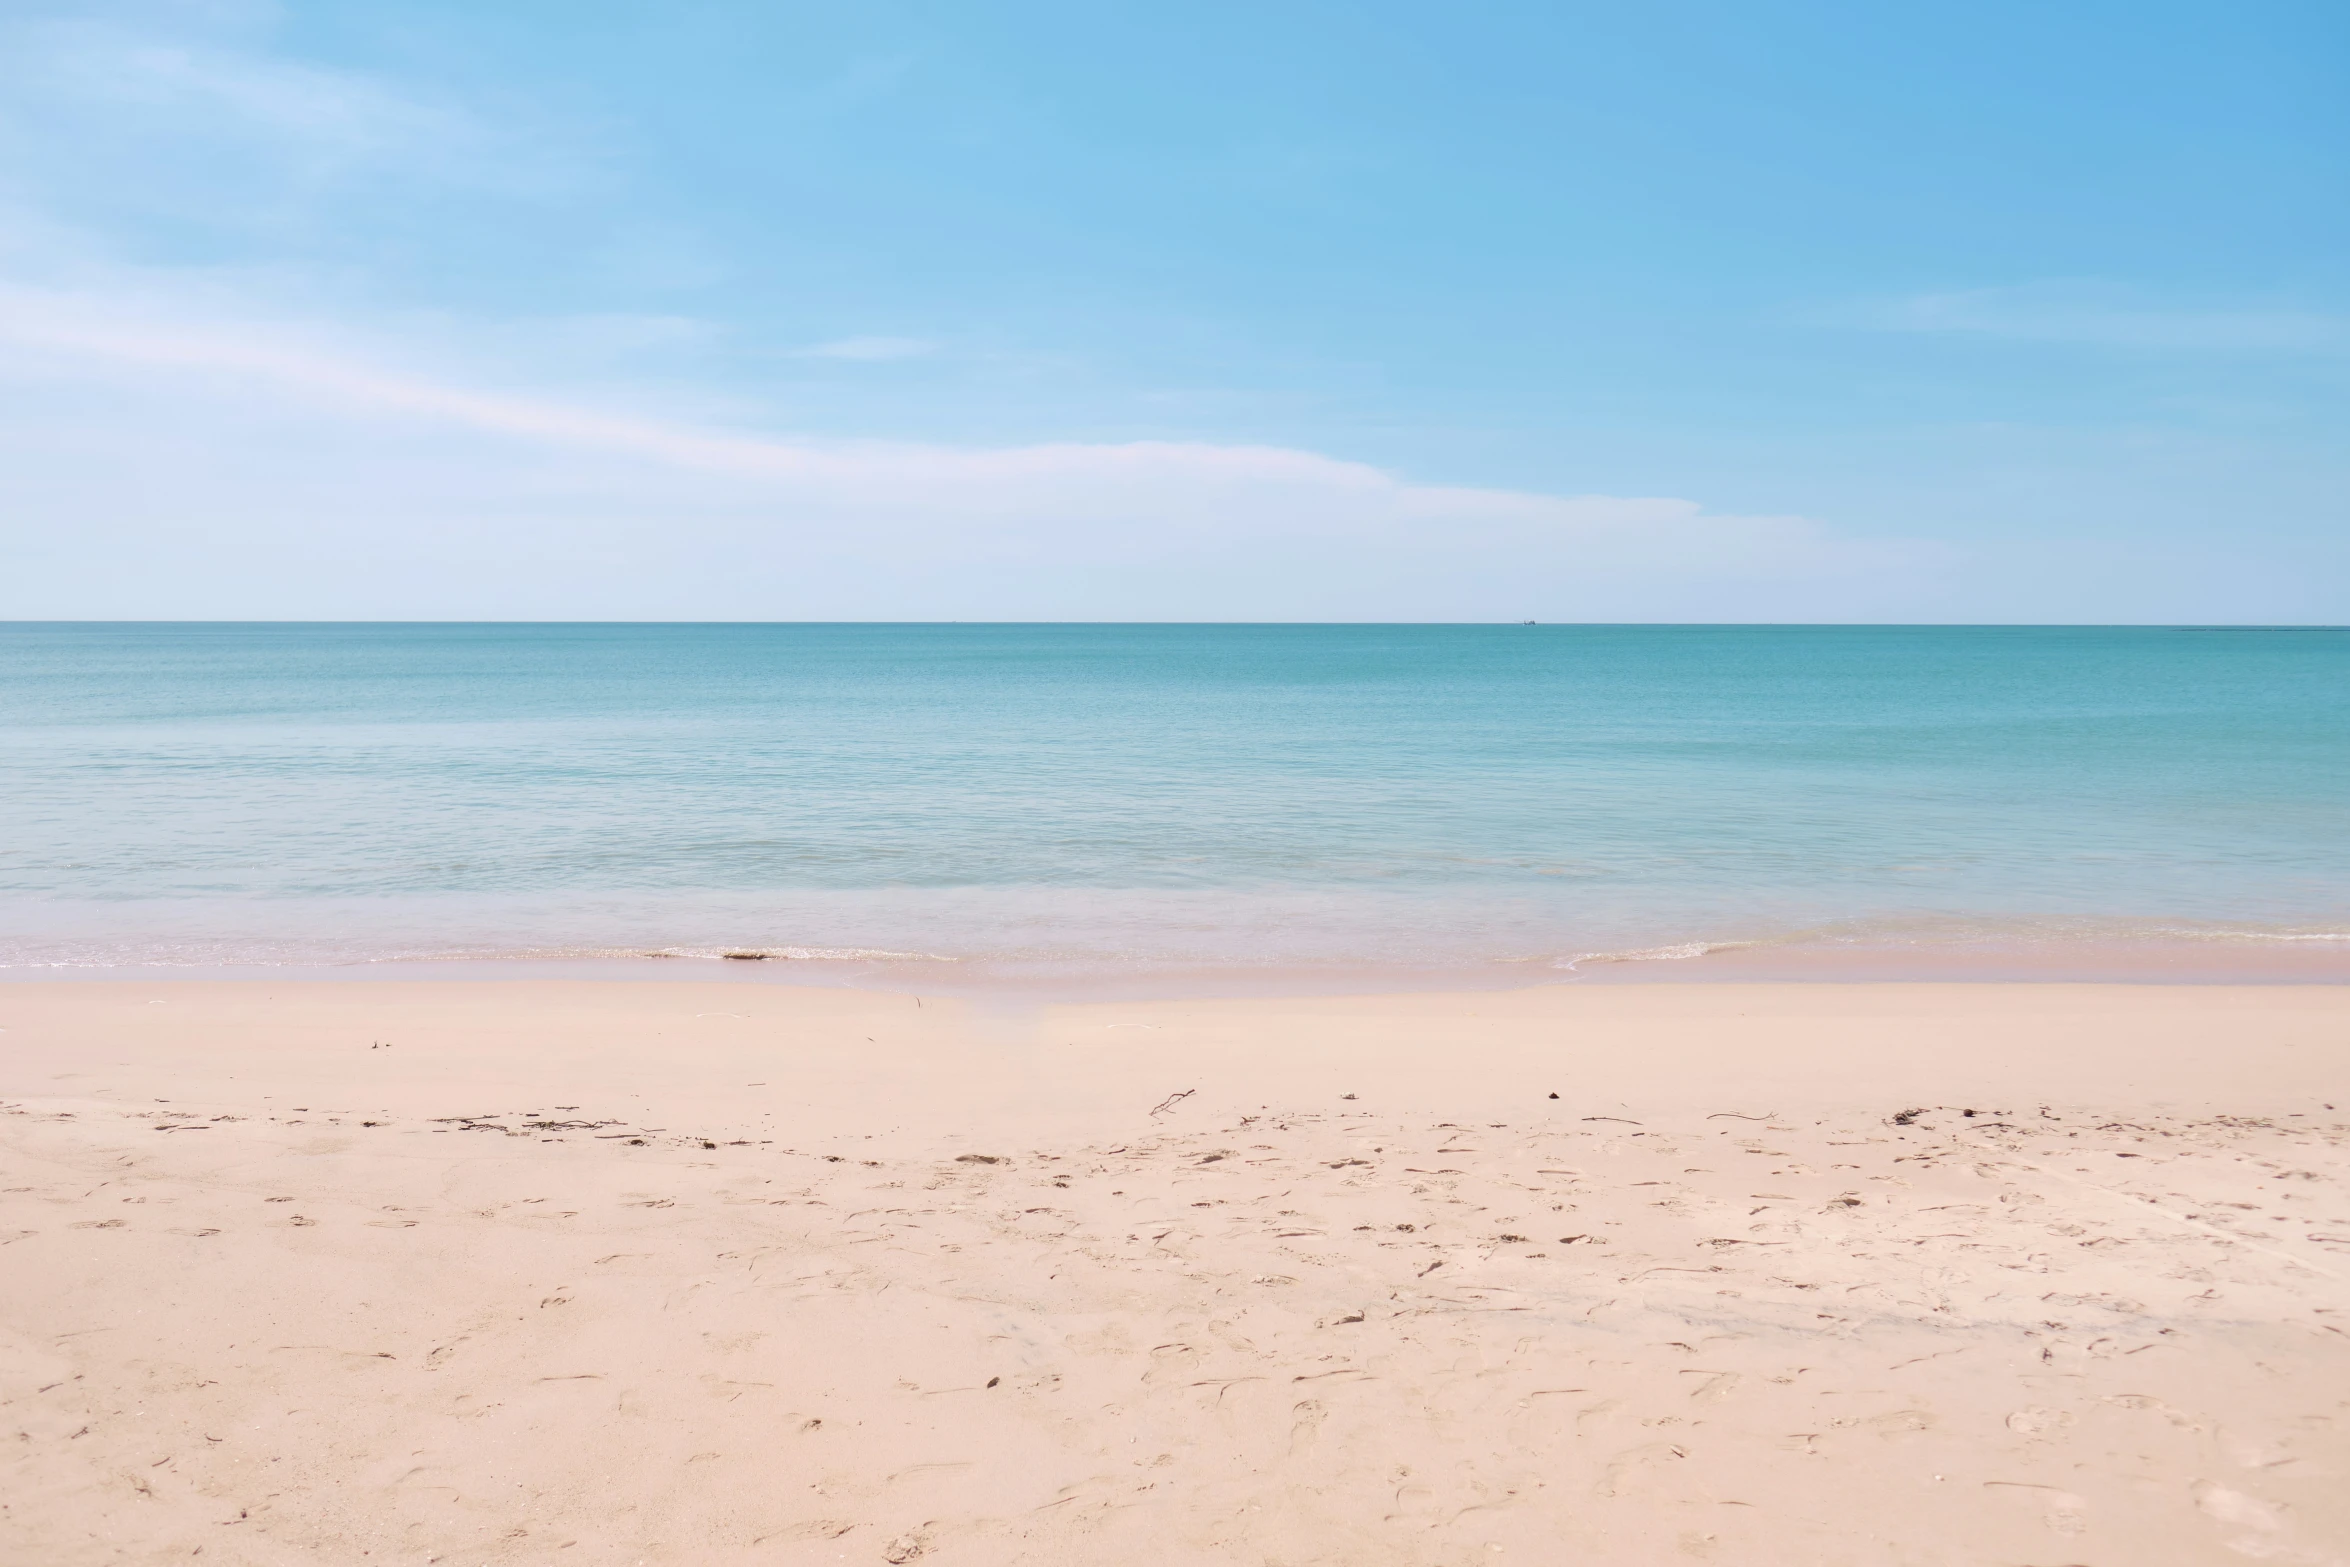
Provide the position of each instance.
(1120, 799)
(1678, 952)
(800, 954)
(2257, 935)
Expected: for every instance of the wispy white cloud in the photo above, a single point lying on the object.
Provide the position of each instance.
(180, 110)
(2105, 315)
(339, 112)
(871, 349)
(270, 438)
(323, 470)
(272, 358)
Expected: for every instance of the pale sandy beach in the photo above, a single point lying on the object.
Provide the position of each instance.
(711, 1273)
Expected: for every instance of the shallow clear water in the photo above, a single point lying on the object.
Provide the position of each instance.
(1161, 796)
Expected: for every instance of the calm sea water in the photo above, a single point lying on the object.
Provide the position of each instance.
(1106, 797)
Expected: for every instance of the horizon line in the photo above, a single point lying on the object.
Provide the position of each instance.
(1537, 624)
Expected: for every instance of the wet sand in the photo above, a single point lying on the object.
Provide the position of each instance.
(608, 1272)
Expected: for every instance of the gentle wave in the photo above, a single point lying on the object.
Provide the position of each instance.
(1677, 953)
(1519, 799)
(1202, 942)
(798, 954)
(2255, 935)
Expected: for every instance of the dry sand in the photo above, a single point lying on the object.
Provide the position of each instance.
(716, 1273)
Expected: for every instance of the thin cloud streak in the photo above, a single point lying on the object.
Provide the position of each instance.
(303, 468)
(93, 111)
(2106, 317)
(872, 349)
(304, 104)
(68, 322)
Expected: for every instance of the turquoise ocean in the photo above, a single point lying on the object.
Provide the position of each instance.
(1519, 802)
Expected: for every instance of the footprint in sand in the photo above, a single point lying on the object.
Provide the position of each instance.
(2157, 1406)
(2062, 1511)
(1595, 1413)
(1306, 1424)
(1628, 1468)
(1717, 1386)
(2227, 1506)
(2037, 1421)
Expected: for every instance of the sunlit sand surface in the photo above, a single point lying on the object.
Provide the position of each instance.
(670, 1273)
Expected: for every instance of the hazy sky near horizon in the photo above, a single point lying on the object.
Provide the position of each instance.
(1733, 311)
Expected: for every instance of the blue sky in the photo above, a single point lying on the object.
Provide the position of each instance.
(1739, 311)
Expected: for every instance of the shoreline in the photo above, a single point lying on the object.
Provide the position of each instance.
(222, 1019)
(548, 1271)
(1885, 1033)
(2201, 962)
